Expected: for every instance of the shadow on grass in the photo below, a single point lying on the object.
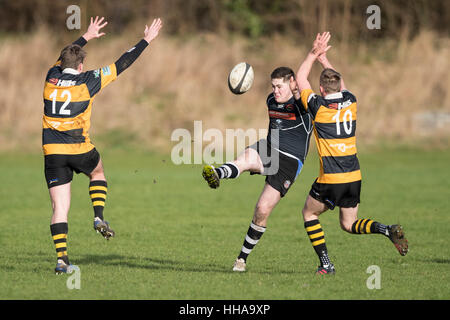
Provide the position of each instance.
(43, 262)
(439, 260)
(163, 264)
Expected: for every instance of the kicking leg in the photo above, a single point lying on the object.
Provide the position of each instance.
(266, 203)
(248, 160)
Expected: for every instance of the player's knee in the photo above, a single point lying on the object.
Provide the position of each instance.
(249, 161)
(262, 211)
(309, 214)
(97, 174)
(60, 208)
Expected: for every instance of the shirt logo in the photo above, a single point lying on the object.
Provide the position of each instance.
(342, 146)
(55, 124)
(106, 71)
(66, 83)
(289, 107)
(282, 115)
(340, 105)
(333, 106)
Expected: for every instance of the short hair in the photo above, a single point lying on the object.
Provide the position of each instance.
(282, 72)
(71, 56)
(330, 80)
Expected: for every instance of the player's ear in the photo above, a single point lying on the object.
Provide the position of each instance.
(322, 91)
(80, 67)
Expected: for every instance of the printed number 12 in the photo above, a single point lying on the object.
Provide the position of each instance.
(63, 110)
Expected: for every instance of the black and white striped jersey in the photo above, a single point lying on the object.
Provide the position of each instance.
(290, 127)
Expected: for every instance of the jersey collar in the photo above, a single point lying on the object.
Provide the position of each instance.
(70, 70)
(335, 95)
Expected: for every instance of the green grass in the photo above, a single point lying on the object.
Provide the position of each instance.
(177, 239)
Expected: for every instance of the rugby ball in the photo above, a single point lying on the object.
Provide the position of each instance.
(240, 79)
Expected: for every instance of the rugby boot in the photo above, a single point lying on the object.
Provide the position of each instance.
(211, 176)
(61, 267)
(397, 236)
(328, 269)
(103, 228)
(239, 265)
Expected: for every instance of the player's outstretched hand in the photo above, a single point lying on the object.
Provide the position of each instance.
(93, 30)
(151, 32)
(320, 45)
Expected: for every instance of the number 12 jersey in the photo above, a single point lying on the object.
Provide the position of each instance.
(68, 97)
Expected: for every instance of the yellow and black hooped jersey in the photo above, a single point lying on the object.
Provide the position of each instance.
(334, 119)
(68, 97)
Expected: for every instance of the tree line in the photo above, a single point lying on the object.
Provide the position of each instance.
(249, 18)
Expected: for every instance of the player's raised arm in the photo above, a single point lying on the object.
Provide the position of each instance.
(323, 60)
(150, 33)
(320, 46)
(100, 78)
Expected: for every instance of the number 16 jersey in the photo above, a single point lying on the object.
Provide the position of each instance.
(334, 119)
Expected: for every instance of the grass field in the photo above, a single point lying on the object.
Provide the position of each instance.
(177, 239)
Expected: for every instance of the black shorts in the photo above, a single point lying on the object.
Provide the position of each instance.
(345, 195)
(59, 168)
(280, 170)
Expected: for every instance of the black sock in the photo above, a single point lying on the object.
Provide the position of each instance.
(367, 226)
(59, 235)
(317, 238)
(228, 171)
(97, 191)
(252, 237)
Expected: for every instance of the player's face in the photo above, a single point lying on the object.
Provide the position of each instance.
(281, 90)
